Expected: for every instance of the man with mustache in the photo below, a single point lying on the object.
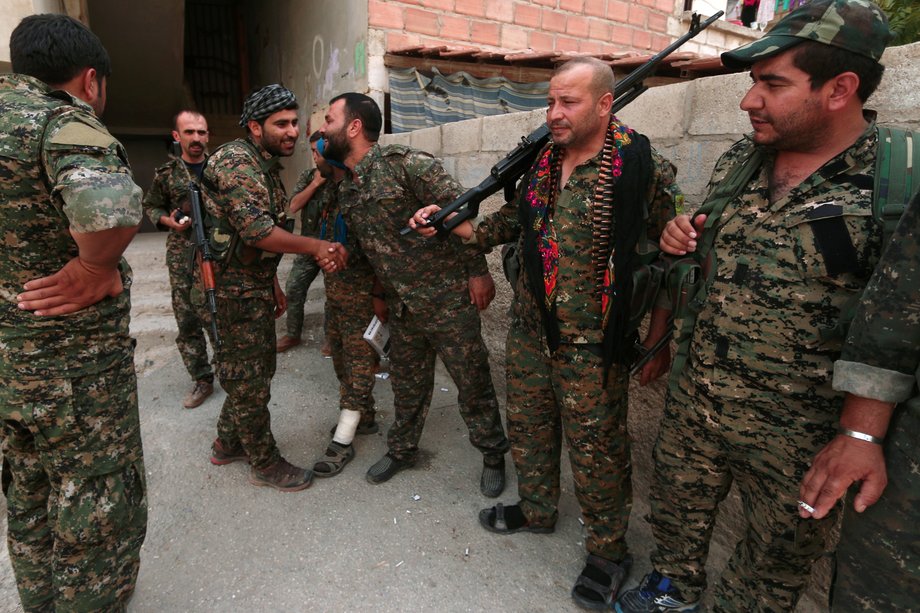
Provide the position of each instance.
(590, 204)
(166, 205)
(787, 241)
(245, 199)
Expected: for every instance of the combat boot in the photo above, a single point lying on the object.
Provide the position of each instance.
(198, 394)
(286, 342)
(221, 455)
(283, 476)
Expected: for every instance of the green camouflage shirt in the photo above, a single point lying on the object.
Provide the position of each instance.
(578, 307)
(246, 199)
(62, 171)
(881, 357)
(168, 191)
(309, 214)
(784, 272)
(358, 277)
(389, 185)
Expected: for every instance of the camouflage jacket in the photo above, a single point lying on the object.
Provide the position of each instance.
(245, 198)
(388, 186)
(310, 213)
(358, 277)
(62, 171)
(881, 357)
(784, 273)
(168, 192)
(578, 306)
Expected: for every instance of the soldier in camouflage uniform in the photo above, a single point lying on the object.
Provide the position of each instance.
(71, 442)
(431, 288)
(245, 198)
(307, 200)
(349, 308)
(167, 197)
(786, 240)
(568, 372)
(878, 557)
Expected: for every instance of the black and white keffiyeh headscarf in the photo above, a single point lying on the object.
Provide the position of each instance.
(262, 103)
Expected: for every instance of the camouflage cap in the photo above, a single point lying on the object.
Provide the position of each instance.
(859, 26)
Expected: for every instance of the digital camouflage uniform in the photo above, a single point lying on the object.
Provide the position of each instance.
(244, 195)
(562, 393)
(168, 192)
(77, 507)
(304, 269)
(426, 284)
(349, 309)
(754, 402)
(878, 558)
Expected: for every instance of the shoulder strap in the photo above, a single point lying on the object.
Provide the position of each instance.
(269, 181)
(723, 193)
(897, 177)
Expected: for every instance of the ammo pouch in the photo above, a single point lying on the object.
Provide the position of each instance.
(226, 244)
(684, 280)
(647, 279)
(511, 265)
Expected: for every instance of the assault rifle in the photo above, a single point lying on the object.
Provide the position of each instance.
(204, 257)
(506, 174)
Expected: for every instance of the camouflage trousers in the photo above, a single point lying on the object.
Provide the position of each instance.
(245, 364)
(190, 340)
(355, 361)
(303, 272)
(563, 394)
(77, 505)
(707, 441)
(878, 558)
(454, 335)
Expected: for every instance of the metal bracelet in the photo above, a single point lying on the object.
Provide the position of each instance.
(862, 436)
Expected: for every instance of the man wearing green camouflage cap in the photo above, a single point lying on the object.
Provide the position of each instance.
(786, 240)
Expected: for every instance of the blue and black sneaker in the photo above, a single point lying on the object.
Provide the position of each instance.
(654, 595)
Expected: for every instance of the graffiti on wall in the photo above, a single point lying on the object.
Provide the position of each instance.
(328, 71)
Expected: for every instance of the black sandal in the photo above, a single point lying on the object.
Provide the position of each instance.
(495, 520)
(597, 586)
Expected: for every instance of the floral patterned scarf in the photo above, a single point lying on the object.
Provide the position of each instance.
(541, 196)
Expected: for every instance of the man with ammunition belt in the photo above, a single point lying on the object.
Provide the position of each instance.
(588, 206)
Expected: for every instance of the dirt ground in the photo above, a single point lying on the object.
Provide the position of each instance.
(216, 543)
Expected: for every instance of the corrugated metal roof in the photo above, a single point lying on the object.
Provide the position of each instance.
(531, 66)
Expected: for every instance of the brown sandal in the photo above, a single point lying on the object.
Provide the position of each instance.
(334, 460)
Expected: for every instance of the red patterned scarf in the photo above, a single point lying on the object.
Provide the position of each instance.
(543, 191)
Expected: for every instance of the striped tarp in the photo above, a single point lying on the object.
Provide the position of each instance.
(417, 101)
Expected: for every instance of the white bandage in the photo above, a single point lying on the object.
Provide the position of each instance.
(348, 424)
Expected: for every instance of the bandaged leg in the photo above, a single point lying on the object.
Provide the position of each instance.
(345, 430)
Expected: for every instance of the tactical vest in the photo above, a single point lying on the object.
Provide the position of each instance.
(224, 239)
(688, 279)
